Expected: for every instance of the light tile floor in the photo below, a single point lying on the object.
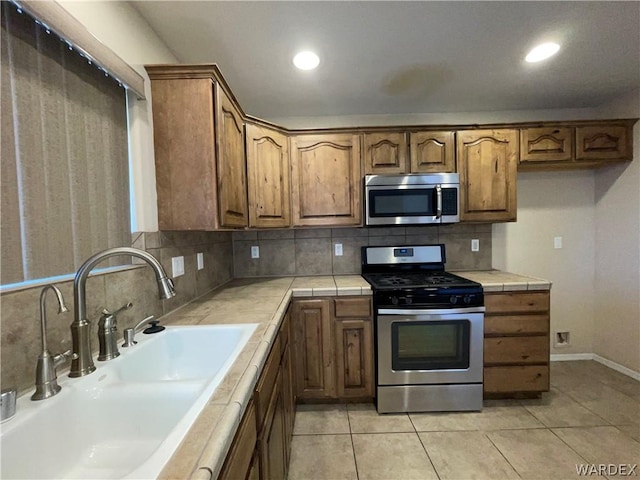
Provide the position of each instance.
(590, 416)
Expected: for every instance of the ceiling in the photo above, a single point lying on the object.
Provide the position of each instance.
(407, 57)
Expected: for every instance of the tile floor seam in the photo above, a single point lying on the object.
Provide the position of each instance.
(501, 454)
(575, 399)
(424, 447)
(570, 447)
(353, 447)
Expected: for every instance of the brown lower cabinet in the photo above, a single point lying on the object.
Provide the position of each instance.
(516, 343)
(333, 348)
(262, 444)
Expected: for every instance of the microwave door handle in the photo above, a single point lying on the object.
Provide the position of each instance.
(438, 201)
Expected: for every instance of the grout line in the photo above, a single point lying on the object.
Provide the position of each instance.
(502, 454)
(424, 447)
(570, 447)
(353, 447)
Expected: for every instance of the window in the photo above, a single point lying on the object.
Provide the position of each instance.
(65, 178)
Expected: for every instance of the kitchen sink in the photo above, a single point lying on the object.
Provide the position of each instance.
(127, 418)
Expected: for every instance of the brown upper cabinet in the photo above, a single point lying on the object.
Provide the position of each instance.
(199, 149)
(432, 152)
(487, 163)
(326, 183)
(546, 144)
(574, 145)
(268, 177)
(385, 153)
(413, 152)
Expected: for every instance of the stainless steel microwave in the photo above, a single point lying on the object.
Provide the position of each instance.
(412, 199)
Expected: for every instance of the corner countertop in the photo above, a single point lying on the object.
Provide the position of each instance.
(264, 301)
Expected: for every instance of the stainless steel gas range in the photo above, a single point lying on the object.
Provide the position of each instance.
(428, 331)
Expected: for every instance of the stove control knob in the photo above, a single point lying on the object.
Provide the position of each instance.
(408, 300)
(467, 299)
(453, 300)
(394, 300)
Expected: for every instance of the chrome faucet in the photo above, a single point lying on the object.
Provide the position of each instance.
(82, 361)
(46, 376)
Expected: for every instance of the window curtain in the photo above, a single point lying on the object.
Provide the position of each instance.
(65, 179)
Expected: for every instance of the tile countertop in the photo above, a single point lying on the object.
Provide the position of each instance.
(264, 301)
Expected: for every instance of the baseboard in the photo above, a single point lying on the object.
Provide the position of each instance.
(617, 367)
(565, 357)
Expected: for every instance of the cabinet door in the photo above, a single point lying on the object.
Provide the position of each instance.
(313, 351)
(487, 162)
(602, 142)
(325, 180)
(385, 153)
(432, 152)
(272, 443)
(232, 183)
(546, 144)
(183, 135)
(268, 177)
(354, 358)
(240, 459)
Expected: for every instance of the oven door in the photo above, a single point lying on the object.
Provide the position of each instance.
(423, 347)
(411, 204)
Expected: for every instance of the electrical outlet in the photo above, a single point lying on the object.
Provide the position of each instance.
(177, 266)
(557, 242)
(255, 252)
(200, 258)
(562, 339)
(338, 249)
(475, 245)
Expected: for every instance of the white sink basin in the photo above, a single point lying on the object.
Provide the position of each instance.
(127, 418)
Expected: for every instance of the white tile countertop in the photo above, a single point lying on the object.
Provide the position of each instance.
(265, 301)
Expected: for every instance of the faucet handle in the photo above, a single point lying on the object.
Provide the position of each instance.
(124, 307)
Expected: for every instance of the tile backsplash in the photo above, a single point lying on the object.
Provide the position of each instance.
(20, 313)
(311, 251)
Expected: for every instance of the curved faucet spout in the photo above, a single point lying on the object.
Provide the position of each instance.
(82, 362)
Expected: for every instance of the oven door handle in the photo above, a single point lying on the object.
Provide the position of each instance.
(430, 311)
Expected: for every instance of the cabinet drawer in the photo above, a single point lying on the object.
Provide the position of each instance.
(546, 144)
(515, 325)
(239, 460)
(533, 378)
(266, 383)
(516, 302)
(353, 307)
(516, 350)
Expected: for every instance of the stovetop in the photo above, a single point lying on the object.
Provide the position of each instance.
(384, 281)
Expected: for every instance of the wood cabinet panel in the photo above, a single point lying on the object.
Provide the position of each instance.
(268, 177)
(385, 153)
(432, 152)
(354, 358)
(272, 438)
(603, 142)
(501, 350)
(516, 325)
(232, 184)
(487, 163)
(516, 302)
(546, 144)
(534, 378)
(326, 183)
(313, 347)
(185, 156)
(238, 463)
(266, 383)
(353, 307)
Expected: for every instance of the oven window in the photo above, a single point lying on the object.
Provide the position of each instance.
(432, 345)
(415, 202)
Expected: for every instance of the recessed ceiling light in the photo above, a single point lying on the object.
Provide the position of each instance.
(306, 60)
(542, 52)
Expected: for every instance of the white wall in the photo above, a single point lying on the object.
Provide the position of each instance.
(617, 258)
(120, 27)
